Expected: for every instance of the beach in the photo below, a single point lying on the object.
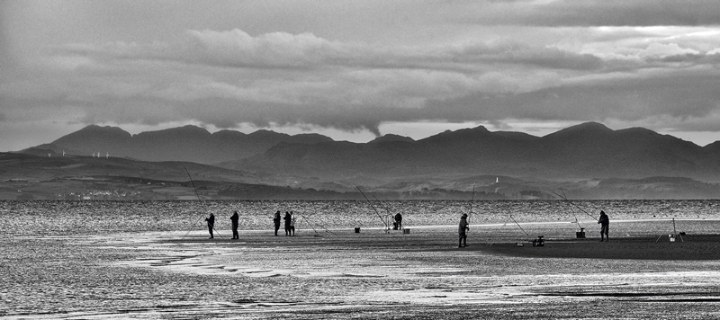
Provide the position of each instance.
(326, 272)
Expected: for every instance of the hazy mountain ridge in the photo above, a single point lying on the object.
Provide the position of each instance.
(188, 143)
(588, 160)
(588, 150)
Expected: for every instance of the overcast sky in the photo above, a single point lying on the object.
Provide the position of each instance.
(356, 69)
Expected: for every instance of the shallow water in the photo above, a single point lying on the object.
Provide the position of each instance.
(97, 217)
(153, 260)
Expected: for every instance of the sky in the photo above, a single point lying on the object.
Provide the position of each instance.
(355, 70)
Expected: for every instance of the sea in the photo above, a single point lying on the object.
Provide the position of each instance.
(101, 217)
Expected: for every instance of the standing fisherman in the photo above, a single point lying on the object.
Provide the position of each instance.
(211, 224)
(234, 218)
(288, 220)
(276, 221)
(462, 231)
(398, 221)
(604, 222)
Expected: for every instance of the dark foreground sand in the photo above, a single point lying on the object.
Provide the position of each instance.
(685, 248)
(340, 274)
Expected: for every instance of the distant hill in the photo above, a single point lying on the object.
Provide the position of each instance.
(588, 159)
(188, 143)
(30, 177)
(588, 150)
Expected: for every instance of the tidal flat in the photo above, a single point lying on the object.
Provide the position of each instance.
(153, 260)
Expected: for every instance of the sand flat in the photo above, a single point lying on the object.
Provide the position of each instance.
(331, 273)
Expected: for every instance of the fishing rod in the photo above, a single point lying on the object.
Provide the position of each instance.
(319, 224)
(510, 217)
(387, 209)
(501, 227)
(572, 203)
(198, 197)
(571, 211)
(311, 225)
(521, 228)
(373, 207)
(472, 201)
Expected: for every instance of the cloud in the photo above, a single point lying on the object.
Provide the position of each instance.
(674, 95)
(590, 13)
(235, 48)
(227, 78)
(277, 49)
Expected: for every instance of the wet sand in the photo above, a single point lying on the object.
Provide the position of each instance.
(337, 273)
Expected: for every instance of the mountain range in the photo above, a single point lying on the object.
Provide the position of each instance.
(188, 143)
(588, 150)
(583, 155)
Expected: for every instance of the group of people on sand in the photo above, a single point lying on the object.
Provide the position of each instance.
(289, 223)
(464, 227)
(234, 219)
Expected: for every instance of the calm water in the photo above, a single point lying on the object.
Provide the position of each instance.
(93, 217)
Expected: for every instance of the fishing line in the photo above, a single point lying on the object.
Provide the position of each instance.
(501, 228)
(311, 225)
(373, 207)
(574, 215)
(572, 203)
(387, 209)
(319, 224)
(521, 228)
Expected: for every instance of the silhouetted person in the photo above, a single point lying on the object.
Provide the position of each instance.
(292, 224)
(288, 220)
(234, 218)
(462, 231)
(398, 221)
(211, 224)
(604, 222)
(276, 221)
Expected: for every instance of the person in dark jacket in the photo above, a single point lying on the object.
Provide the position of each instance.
(288, 221)
(234, 218)
(276, 221)
(604, 222)
(398, 221)
(211, 224)
(462, 231)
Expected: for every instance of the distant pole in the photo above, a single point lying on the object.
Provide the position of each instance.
(674, 230)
